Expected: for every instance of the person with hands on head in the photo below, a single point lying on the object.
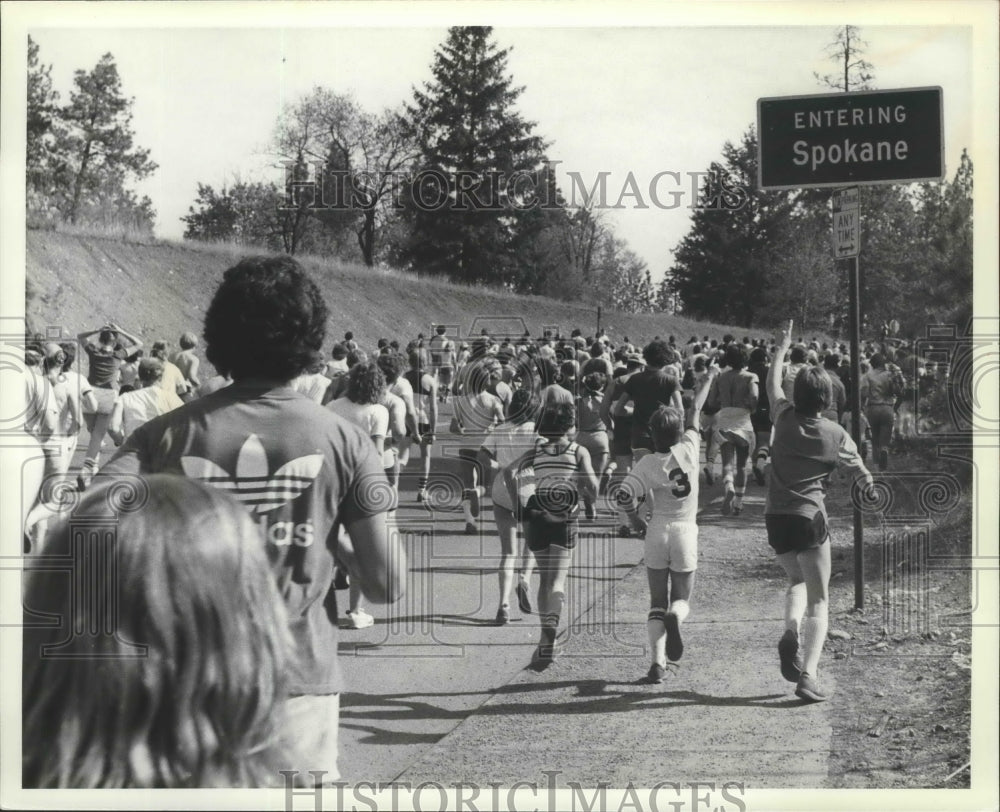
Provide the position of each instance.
(668, 479)
(805, 450)
(104, 360)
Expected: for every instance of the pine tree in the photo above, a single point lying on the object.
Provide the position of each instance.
(722, 265)
(41, 109)
(94, 147)
(846, 51)
(463, 209)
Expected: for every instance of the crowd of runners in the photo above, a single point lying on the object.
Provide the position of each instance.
(262, 489)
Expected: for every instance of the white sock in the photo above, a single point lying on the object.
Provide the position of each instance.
(657, 636)
(680, 608)
(795, 606)
(814, 628)
(467, 511)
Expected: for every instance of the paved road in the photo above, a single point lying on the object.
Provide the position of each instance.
(438, 693)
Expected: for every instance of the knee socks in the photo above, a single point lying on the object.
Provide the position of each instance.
(657, 631)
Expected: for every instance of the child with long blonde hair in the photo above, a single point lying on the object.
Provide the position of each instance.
(168, 665)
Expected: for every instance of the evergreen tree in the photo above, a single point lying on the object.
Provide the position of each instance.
(94, 151)
(41, 109)
(847, 53)
(464, 207)
(722, 265)
(943, 282)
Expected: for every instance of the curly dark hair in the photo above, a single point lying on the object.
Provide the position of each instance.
(267, 320)
(365, 383)
(523, 406)
(658, 354)
(392, 365)
(556, 420)
(595, 382)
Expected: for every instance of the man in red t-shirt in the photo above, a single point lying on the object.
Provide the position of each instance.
(300, 470)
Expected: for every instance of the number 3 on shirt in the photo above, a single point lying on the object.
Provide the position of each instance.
(683, 483)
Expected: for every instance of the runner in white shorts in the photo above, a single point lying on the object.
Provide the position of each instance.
(668, 479)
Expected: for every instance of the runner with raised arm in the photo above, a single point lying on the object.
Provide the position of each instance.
(805, 450)
(668, 479)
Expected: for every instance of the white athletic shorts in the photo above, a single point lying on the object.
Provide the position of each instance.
(311, 738)
(672, 546)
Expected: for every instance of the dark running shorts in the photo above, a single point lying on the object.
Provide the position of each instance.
(540, 534)
(788, 534)
(621, 443)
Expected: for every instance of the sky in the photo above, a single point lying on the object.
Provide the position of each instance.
(616, 99)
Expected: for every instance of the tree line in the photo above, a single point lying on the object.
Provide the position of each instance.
(769, 252)
(456, 183)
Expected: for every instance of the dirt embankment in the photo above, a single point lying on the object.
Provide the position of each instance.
(160, 290)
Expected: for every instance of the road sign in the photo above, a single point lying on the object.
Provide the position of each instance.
(839, 139)
(846, 223)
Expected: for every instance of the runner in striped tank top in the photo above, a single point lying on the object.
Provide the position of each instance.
(562, 469)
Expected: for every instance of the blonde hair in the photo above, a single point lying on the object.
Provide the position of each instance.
(188, 688)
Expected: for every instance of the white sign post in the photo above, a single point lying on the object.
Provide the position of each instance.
(846, 223)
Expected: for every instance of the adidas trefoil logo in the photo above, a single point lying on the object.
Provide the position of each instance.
(259, 491)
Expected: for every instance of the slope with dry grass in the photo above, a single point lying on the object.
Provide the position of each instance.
(159, 289)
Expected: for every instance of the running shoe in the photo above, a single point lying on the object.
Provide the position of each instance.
(360, 619)
(809, 690)
(471, 529)
(422, 495)
(523, 601)
(883, 458)
(758, 475)
(624, 532)
(545, 653)
(788, 649)
(605, 480)
(709, 476)
(675, 645)
(727, 502)
(590, 513)
(502, 616)
(83, 480)
(737, 505)
(656, 674)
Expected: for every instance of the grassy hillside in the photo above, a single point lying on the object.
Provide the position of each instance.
(161, 289)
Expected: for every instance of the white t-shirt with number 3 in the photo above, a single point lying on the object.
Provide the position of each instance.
(671, 480)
